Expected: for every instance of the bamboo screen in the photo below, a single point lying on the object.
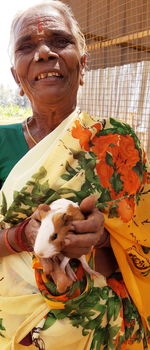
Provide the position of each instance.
(117, 79)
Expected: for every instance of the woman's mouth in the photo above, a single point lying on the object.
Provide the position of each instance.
(48, 75)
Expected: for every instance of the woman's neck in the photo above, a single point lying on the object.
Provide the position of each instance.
(47, 121)
(42, 123)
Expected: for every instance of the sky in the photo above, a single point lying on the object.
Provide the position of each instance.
(7, 10)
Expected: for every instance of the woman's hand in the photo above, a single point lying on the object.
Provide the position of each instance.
(33, 225)
(88, 232)
(31, 231)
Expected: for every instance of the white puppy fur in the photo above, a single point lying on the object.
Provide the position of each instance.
(46, 243)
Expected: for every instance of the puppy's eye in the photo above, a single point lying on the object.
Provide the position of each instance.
(39, 221)
(54, 236)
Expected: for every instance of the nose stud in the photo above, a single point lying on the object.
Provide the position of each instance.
(36, 56)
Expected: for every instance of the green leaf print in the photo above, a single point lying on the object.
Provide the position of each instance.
(90, 175)
(127, 129)
(114, 306)
(117, 123)
(40, 174)
(108, 131)
(109, 159)
(50, 320)
(112, 332)
(138, 168)
(113, 211)
(31, 195)
(116, 182)
(67, 177)
(70, 170)
(98, 339)
(4, 204)
(104, 292)
(2, 328)
(105, 195)
(148, 320)
(146, 273)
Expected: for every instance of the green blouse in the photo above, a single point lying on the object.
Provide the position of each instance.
(13, 147)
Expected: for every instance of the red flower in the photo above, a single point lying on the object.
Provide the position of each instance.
(118, 287)
(105, 172)
(128, 154)
(131, 181)
(102, 144)
(125, 211)
(82, 134)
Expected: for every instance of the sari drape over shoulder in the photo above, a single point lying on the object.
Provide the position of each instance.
(83, 155)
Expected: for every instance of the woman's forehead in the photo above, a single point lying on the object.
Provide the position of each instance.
(38, 20)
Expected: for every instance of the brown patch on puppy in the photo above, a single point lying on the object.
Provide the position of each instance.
(59, 277)
(63, 225)
(41, 212)
(75, 213)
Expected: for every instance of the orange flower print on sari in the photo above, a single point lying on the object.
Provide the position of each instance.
(97, 126)
(104, 172)
(131, 181)
(128, 154)
(125, 210)
(84, 135)
(118, 287)
(101, 144)
(146, 177)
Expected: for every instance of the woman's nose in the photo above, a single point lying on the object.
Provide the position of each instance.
(44, 53)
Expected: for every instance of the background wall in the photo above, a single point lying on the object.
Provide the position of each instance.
(117, 81)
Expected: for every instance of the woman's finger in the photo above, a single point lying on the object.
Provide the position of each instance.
(94, 223)
(81, 241)
(88, 204)
(75, 252)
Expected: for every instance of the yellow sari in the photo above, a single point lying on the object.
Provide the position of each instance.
(81, 156)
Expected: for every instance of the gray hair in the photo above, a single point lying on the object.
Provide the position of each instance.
(65, 10)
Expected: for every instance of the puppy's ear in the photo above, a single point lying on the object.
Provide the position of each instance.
(44, 207)
(41, 211)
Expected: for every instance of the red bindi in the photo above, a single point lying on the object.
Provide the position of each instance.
(39, 26)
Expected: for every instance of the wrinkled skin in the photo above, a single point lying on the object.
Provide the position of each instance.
(44, 44)
(86, 233)
(52, 98)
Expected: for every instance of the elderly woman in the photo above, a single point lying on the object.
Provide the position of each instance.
(61, 152)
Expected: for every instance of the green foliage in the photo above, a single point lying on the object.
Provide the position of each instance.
(14, 111)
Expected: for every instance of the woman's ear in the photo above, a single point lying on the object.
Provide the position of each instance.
(82, 68)
(13, 71)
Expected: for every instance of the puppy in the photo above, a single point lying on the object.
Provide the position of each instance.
(56, 222)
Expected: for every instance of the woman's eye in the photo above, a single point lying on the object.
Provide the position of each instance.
(60, 42)
(63, 41)
(25, 47)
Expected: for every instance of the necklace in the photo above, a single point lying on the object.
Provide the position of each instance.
(29, 134)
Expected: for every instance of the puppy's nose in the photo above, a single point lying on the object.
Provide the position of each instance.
(41, 255)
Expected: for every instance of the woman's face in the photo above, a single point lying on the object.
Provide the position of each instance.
(48, 65)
